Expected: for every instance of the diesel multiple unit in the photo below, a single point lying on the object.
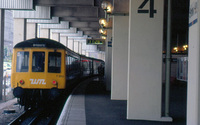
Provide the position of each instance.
(42, 68)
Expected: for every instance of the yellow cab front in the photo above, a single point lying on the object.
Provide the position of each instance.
(38, 68)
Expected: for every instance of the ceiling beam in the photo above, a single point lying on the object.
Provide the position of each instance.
(95, 36)
(64, 2)
(75, 11)
(71, 30)
(78, 38)
(78, 19)
(62, 25)
(78, 34)
(17, 4)
(121, 6)
(85, 24)
(53, 20)
(88, 29)
(91, 32)
(41, 12)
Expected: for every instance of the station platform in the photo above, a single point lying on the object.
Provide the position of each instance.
(90, 104)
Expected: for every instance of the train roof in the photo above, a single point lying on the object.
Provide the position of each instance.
(48, 43)
(40, 42)
(91, 58)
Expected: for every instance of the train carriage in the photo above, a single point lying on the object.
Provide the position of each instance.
(41, 67)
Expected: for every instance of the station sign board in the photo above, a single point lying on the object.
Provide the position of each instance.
(95, 41)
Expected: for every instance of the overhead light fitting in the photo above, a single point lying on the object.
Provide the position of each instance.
(185, 47)
(108, 8)
(103, 37)
(103, 22)
(175, 49)
(102, 31)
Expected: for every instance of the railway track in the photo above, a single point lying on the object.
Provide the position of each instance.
(34, 117)
(46, 114)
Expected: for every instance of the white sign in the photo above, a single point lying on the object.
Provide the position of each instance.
(38, 81)
(193, 13)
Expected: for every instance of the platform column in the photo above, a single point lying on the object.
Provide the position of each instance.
(84, 47)
(100, 55)
(76, 46)
(44, 33)
(108, 59)
(19, 30)
(193, 92)
(67, 41)
(71, 44)
(55, 36)
(84, 52)
(87, 53)
(63, 40)
(2, 24)
(119, 58)
(145, 60)
(80, 48)
(31, 30)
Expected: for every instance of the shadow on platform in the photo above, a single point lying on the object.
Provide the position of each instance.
(101, 110)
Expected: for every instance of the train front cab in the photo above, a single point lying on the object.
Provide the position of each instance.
(38, 71)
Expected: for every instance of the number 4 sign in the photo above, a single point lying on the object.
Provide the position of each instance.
(151, 10)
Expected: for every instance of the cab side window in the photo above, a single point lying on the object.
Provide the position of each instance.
(54, 62)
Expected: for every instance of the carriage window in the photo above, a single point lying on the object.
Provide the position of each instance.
(38, 61)
(54, 62)
(85, 64)
(22, 62)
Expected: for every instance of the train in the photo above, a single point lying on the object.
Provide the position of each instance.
(43, 68)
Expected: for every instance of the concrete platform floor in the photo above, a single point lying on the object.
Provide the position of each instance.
(91, 105)
(101, 110)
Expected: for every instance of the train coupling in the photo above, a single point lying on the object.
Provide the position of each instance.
(54, 93)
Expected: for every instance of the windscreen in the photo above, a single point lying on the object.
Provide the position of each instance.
(38, 61)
